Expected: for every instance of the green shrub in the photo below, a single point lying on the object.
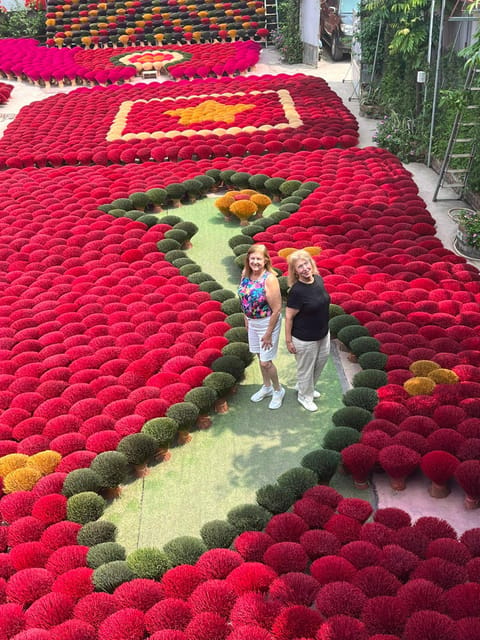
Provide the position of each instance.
(257, 181)
(140, 200)
(373, 360)
(197, 278)
(157, 196)
(354, 417)
(117, 213)
(208, 182)
(288, 208)
(335, 310)
(138, 448)
(340, 437)
(229, 364)
(289, 186)
(134, 214)
(272, 185)
(175, 191)
(364, 345)
(236, 320)
(265, 222)
(339, 322)
(231, 306)
(189, 268)
(373, 378)
(237, 334)
(235, 241)
(241, 261)
(218, 534)
(193, 187)
(323, 462)
(179, 235)
(175, 254)
(190, 228)
(123, 203)
(149, 563)
(202, 397)
(241, 249)
(210, 286)
(352, 331)
(106, 208)
(93, 533)
(80, 480)
(185, 414)
(220, 295)
(240, 350)
(104, 552)
(301, 193)
(215, 174)
(248, 517)
(85, 507)
(240, 179)
(363, 397)
(184, 550)
(111, 467)
(278, 216)
(220, 382)
(275, 498)
(291, 200)
(170, 219)
(181, 262)
(168, 244)
(283, 284)
(149, 219)
(226, 175)
(163, 430)
(297, 480)
(252, 230)
(111, 575)
(310, 185)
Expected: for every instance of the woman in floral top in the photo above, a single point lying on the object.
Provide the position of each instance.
(261, 302)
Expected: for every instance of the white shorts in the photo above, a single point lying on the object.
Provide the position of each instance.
(256, 330)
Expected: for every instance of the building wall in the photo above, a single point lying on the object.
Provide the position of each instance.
(310, 30)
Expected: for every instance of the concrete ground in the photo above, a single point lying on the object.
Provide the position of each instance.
(339, 75)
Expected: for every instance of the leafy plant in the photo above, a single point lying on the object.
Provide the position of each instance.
(404, 136)
(22, 22)
(287, 39)
(469, 222)
(148, 562)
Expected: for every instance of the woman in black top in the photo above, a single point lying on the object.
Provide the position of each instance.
(306, 324)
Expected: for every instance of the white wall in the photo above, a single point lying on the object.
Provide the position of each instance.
(310, 21)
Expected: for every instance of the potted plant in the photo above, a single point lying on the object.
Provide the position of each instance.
(467, 238)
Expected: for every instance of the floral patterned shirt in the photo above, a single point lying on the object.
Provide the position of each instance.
(253, 297)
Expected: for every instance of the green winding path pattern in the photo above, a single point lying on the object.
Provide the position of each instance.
(246, 448)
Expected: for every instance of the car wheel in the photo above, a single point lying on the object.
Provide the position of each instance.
(336, 48)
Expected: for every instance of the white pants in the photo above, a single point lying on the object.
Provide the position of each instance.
(311, 358)
(256, 330)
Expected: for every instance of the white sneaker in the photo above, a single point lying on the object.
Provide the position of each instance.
(262, 393)
(309, 405)
(277, 398)
(316, 394)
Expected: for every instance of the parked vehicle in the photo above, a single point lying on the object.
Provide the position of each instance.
(336, 25)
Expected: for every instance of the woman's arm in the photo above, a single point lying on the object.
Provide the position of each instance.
(290, 314)
(274, 299)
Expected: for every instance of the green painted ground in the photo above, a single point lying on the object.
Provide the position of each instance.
(244, 449)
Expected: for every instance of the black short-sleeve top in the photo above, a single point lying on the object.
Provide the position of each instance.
(312, 302)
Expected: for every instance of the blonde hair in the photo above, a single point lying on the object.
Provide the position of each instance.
(292, 260)
(258, 248)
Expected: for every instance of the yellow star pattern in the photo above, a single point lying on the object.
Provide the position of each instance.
(209, 110)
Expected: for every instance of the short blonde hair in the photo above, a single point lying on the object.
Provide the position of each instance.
(292, 260)
(258, 248)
